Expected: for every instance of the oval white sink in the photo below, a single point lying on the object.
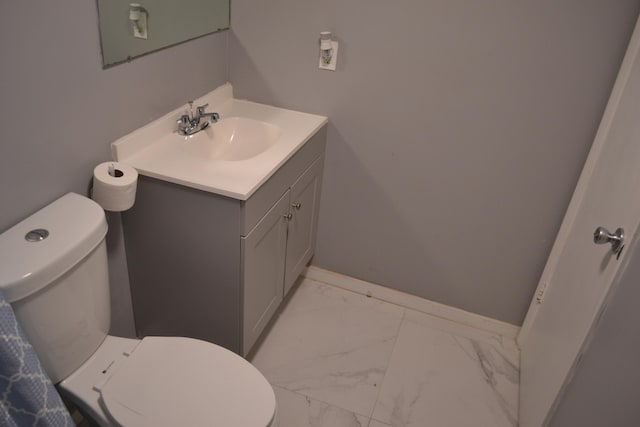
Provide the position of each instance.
(233, 139)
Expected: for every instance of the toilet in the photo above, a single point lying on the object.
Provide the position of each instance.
(55, 277)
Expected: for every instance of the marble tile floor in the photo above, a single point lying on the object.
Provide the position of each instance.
(340, 359)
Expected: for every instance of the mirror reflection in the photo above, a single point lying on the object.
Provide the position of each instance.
(128, 30)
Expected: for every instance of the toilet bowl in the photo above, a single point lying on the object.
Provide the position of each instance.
(56, 280)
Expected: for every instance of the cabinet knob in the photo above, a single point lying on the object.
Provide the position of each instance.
(296, 205)
(288, 216)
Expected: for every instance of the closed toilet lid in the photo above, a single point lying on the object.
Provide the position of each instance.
(172, 381)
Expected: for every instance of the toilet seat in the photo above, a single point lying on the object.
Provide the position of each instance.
(170, 381)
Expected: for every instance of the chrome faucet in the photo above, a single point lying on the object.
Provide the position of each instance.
(188, 124)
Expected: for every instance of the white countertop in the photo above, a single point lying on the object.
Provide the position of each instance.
(153, 150)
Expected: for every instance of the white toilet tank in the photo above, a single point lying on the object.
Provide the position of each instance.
(55, 276)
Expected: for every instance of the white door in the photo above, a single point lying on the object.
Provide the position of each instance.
(579, 273)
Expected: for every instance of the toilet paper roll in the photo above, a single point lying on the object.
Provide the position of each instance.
(115, 192)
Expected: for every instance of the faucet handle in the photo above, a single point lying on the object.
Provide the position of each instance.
(200, 109)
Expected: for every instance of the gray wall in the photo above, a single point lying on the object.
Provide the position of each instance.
(457, 130)
(604, 389)
(59, 110)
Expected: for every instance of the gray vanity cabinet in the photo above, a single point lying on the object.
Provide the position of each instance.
(216, 268)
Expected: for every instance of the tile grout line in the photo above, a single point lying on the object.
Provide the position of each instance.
(386, 370)
(318, 400)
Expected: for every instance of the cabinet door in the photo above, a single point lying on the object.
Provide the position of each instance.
(305, 198)
(263, 252)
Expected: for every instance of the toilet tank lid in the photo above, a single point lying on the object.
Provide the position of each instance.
(74, 225)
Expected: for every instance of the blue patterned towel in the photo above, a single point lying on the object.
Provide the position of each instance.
(27, 397)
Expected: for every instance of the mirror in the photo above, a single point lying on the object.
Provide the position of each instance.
(128, 30)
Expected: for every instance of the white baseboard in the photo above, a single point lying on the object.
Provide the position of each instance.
(413, 302)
